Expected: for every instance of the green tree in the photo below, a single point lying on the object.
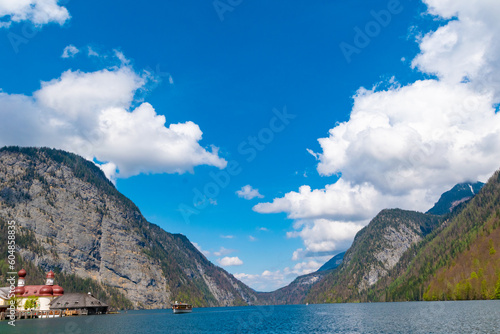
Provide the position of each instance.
(31, 303)
(497, 289)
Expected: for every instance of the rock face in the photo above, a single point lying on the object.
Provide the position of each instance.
(387, 237)
(397, 241)
(86, 227)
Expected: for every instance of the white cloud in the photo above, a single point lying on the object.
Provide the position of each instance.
(70, 51)
(467, 47)
(247, 192)
(223, 251)
(91, 114)
(252, 238)
(229, 261)
(227, 236)
(39, 12)
(264, 229)
(323, 238)
(339, 201)
(405, 145)
(270, 280)
(427, 134)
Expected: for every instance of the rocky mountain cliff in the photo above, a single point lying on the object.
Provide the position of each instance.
(82, 225)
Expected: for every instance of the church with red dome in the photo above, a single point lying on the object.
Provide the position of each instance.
(45, 293)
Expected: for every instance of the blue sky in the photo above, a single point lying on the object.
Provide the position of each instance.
(249, 87)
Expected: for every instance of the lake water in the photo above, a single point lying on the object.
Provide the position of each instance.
(412, 317)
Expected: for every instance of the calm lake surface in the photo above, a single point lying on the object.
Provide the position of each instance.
(412, 317)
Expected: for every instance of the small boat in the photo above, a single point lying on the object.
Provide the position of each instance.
(182, 307)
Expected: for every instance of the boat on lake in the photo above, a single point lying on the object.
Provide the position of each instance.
(181, 307)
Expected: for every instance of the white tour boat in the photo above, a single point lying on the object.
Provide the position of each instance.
(182, 307)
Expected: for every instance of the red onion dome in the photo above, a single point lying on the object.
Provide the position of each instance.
(50, 274)
(22, 273)
(46, 291)
(19, 291)
(58, 291)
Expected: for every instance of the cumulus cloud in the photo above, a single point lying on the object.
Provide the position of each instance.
(467, 47)
(92, 114)
(404, 145)
(229, 261)
(247, 192)
(337, 201)
(427, 134)
(70, 51)
(39, 12)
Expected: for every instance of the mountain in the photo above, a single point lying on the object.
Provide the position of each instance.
(404, 255)
(73, 221)
(375, 251)
(333, 263)
(457, 261)
(460, 193)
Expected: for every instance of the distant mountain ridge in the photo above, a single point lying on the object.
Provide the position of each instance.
(80, 224)
(460, 193)
(333, 263)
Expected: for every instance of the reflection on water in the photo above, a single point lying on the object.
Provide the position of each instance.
(411, 317)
